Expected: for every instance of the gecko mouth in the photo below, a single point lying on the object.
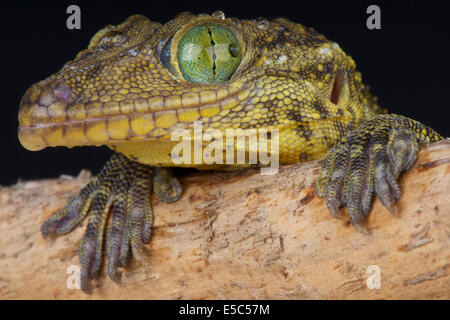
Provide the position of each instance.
(51, 114)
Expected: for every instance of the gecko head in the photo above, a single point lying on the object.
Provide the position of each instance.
(140, 80)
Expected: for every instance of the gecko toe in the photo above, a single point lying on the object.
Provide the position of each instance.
(165, 185)
(336, 183)
(139, 216)
(116, 240)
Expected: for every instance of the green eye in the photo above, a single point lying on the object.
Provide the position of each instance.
(209, 54)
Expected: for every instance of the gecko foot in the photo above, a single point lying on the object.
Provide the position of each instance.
(370, 160)
(118, 199)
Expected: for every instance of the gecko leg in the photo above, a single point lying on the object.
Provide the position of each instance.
(120, 217)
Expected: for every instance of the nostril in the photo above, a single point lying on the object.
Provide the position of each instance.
(63, 93)
(55, 93)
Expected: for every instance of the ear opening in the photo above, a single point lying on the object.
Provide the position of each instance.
(337, 87)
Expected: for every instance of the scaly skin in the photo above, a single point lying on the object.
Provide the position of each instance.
(127, 91)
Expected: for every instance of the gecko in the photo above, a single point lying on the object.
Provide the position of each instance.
(140, 81)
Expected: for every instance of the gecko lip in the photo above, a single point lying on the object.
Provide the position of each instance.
(51, 114)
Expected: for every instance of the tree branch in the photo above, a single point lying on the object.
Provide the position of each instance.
(236, 235)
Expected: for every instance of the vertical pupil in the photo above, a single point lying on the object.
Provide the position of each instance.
(213, 52)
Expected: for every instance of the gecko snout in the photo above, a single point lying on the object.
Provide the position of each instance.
(43, 103)
(46, 94)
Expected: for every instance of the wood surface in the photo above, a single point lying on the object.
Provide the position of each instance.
(242, 235)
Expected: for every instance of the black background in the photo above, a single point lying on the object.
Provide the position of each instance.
(406, 63)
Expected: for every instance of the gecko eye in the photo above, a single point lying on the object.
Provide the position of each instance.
(209, 54)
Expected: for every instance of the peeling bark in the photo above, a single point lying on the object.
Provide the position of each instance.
(236, 235)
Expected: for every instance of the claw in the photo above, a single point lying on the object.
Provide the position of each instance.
(361, 227)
